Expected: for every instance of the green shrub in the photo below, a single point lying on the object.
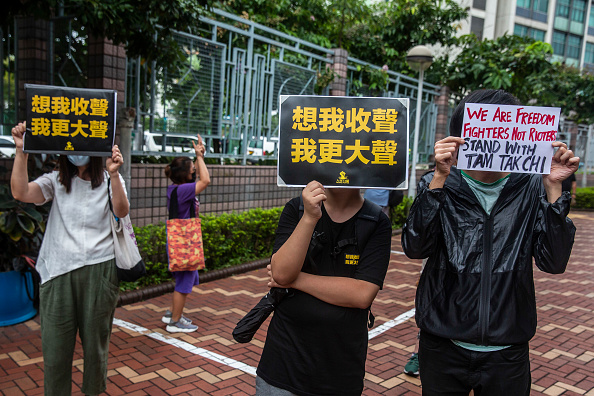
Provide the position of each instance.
(228, 239)
(400, 213)
(584, 198)
(235, 238)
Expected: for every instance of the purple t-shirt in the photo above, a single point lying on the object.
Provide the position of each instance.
(186, 195)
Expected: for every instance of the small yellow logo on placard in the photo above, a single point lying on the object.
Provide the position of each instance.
(69, 146)
(351, 259)
(342, 179)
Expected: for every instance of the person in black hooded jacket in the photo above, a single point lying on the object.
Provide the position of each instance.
(475, 303)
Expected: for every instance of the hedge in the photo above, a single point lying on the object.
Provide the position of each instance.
(584, 198)
(229, 239)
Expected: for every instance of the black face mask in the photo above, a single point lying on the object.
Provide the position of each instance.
(193, 177)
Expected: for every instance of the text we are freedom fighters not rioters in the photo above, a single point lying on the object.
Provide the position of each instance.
(505, 138)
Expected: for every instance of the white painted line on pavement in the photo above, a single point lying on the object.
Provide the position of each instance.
(187, 347)
(394, 322)
(232, 362)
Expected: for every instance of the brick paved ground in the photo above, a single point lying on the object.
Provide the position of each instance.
(144, 359)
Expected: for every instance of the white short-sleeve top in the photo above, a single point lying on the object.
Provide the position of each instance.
(78, 231)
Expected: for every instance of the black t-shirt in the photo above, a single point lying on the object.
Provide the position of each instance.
(566, 184)
(316, 348)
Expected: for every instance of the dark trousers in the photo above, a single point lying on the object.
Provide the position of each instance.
(449, 370)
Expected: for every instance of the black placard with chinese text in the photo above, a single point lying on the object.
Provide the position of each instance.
(63, 120)
(343, 141)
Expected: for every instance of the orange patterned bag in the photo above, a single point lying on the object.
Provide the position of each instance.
(184, 245)
(184, 239)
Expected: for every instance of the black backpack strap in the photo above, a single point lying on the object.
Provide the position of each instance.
(364, 226)
(370, 212)
(193, 208)
(174, 206)
(109, 195)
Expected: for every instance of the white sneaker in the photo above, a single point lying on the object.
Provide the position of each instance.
(179, 327)
(167, 318)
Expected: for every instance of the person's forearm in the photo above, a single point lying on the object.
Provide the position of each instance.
(288, 260)
(19, 178)
(344, 292)
(121, 207)
(438, 180)
(553, 190)
(202, 170)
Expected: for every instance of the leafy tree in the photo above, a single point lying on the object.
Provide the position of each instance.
(516, 64)
(305, 19)
(522, 66)
(134, 23)
(378, 33)
(397, 26)
(571, 90)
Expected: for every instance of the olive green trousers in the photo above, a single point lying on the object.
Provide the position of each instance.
(82, 301)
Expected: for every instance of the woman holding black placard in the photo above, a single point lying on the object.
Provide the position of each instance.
(79, 283)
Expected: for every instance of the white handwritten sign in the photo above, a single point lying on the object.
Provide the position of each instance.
(506, 138)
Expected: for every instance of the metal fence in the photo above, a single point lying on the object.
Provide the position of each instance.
(401, 86)
(228, 87)
(64, 65)
(233, 188)
(8, 82)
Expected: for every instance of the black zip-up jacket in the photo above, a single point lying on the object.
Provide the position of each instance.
(477, 285)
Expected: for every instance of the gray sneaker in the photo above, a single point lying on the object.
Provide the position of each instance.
(167, 318)
(179, 327)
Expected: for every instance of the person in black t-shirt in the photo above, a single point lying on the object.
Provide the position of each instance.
(317, 339)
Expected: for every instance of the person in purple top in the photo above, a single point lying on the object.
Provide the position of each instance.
(182, 173)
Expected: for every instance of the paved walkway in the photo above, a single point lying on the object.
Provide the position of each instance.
(146, 360)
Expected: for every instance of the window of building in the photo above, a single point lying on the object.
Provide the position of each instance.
(520, 30)
(567, 45)
(533, 9)
(541, 5)
(589, 55)
(537, 34)
(578, 11)
(571, 9)
(558, 43)
(476, 26)
(525, 31)
(479, 4)
(574, 45)
(563, 7)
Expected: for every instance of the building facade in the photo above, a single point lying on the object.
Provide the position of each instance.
(568, 25)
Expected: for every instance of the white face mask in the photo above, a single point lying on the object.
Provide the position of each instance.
(79, 160)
